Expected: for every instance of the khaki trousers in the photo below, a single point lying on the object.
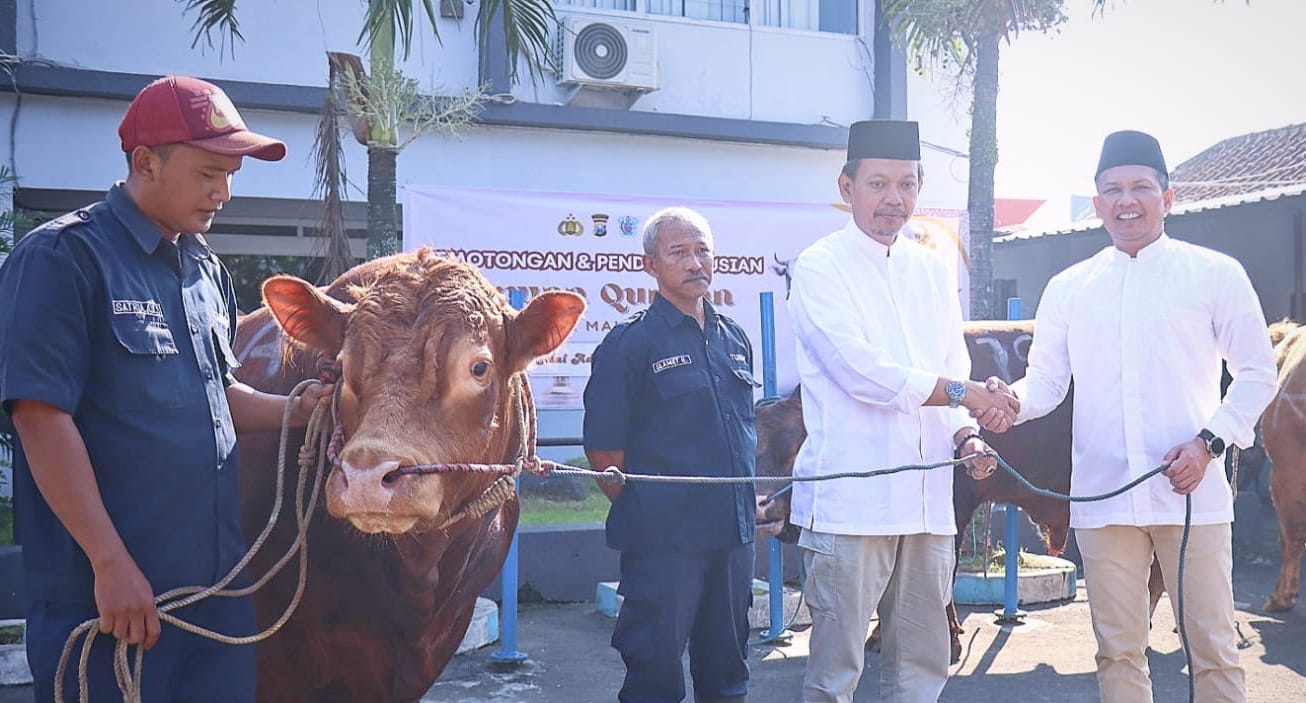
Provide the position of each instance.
(1117, 561)
(909, 579)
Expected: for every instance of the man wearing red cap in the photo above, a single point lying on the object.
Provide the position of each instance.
(115, 365)
(1142, 327)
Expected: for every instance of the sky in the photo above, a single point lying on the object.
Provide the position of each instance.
(1190, 72)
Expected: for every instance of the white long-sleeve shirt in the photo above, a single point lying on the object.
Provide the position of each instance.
(1143, 338)
(877, 326)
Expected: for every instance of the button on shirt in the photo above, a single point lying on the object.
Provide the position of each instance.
(131, 335)
(1143, 338)
(678, 400)
(877, 326)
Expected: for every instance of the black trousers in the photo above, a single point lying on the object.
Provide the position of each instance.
(676, 598)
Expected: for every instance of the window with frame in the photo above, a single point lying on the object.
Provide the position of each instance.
(836, 16)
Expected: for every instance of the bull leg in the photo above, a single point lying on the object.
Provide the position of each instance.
(1292, 536)
(1155, 587)
(873, 639)
(954, 629)
(1288, 491)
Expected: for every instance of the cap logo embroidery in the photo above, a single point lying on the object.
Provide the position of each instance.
(671, 362)
(217, 107)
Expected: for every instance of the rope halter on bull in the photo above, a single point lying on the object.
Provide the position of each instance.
(502, 489)
(312, 456)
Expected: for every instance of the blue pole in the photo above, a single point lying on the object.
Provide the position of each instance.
(1011, 577)
(774, 548)
(508, 653)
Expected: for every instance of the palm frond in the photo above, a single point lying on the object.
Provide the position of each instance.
(944, 32)
(526, 25)
(396, 15)
(215, 17)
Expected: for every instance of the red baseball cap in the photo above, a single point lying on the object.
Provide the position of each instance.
(181, 109)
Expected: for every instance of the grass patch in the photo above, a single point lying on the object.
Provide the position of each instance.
(539, 510)
(997, 561)
(544, 511)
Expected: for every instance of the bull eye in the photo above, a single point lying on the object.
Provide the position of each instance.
(480, 368)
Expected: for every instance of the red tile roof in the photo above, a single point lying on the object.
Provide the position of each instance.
(1243, 164)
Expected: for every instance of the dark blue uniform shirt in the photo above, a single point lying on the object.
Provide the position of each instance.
(131, 335)
(678, 400)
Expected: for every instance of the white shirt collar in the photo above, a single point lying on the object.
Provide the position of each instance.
(864, 242)
(1154, 249)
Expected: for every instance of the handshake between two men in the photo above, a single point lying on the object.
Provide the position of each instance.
(994, 405)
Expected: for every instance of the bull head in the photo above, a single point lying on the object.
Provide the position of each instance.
(427, 351)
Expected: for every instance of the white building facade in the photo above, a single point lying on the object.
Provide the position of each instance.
(745, 101)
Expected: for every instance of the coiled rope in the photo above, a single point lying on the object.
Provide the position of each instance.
(312, 455)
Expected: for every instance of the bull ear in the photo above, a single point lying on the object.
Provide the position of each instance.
(543, 326)
(305, 314)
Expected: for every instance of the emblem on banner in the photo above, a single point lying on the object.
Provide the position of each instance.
(627, 225)
(600, 224)
(571, 227)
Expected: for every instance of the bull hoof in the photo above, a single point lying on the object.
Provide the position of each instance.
(1279, 604)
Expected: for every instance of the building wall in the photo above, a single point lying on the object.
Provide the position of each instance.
(1260, 235)
(750, 84)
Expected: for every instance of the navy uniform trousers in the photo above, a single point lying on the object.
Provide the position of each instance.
(699, 598)
(180, 668)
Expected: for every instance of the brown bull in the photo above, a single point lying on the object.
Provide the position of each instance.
(1283, 425)
(432, 366)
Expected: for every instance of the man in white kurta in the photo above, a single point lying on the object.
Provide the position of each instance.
(1142, 327)
(880, 356)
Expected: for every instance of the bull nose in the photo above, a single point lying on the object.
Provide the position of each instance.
(369, 487)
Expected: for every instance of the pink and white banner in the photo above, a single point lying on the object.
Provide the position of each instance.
(590, 244)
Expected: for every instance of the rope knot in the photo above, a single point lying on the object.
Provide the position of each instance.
(614, 475)
(533, 465)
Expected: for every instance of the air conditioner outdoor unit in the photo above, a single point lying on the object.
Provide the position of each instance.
(603, 53)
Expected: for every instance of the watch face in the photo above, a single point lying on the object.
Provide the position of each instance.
(956, 390)
(1216, 445)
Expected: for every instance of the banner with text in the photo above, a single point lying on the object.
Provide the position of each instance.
(591, 244)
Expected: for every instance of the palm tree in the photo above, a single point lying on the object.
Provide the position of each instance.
(387, 27)
(964, 37)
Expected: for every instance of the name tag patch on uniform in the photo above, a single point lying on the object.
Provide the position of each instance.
(739, 357)
(671, 362)
(140, 308)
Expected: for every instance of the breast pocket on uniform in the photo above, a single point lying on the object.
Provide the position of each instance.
(226, 357)
(746, 376)
(679, 382)
(742, 391)
(148, 374)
